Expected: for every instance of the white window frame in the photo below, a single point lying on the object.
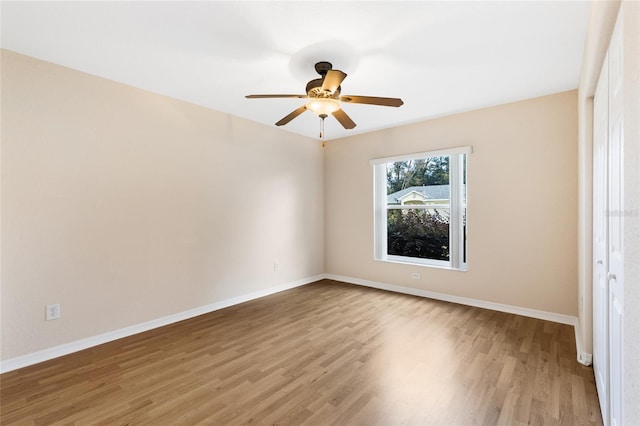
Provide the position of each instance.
(456, 207)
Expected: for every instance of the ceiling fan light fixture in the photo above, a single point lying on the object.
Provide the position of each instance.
(323, 106)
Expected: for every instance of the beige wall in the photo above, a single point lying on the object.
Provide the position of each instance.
(125, 206)
(522, 195)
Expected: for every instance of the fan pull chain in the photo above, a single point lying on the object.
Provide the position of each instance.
(322, 117)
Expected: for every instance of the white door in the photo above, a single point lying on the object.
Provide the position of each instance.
(600, 244)
(616, 223)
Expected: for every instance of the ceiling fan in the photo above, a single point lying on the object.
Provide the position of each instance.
(324, 97)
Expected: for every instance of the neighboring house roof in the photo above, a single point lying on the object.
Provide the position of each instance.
(431, 192)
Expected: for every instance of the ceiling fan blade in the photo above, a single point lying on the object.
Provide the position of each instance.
(274, 96)
(344, 119)
(291, 116)
(372, 100)
(332, 80)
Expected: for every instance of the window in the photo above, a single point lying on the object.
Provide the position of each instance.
(420, 208)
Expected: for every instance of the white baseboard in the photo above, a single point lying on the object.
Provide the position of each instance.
(527, 312)
(78, 345)
(582, 357)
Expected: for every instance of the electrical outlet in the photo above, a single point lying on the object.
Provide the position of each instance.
(415, 275)
(276, 265)
(52, 312)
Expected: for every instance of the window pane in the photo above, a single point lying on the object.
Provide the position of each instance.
(464, 208)
(464, 234)
(418, 233)
(418, 181)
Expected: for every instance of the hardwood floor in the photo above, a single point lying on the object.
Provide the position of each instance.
(325, 353)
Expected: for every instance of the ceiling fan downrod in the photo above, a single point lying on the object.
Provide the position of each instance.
(322, 117)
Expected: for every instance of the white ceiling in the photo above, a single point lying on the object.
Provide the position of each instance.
(439, 57)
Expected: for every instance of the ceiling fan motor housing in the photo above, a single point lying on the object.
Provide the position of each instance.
(314, 87)
(314, 90)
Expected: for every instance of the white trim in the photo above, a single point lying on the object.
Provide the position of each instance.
(379, 211)
(65, 349)
(527, 312)
(583, 357)
(420, 155)
(456, 213)
(419, 207)
(416, 261)
(78, 345)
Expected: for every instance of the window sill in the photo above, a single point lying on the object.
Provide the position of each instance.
(438, 264)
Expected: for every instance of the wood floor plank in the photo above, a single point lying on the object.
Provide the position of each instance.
(324, 353)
